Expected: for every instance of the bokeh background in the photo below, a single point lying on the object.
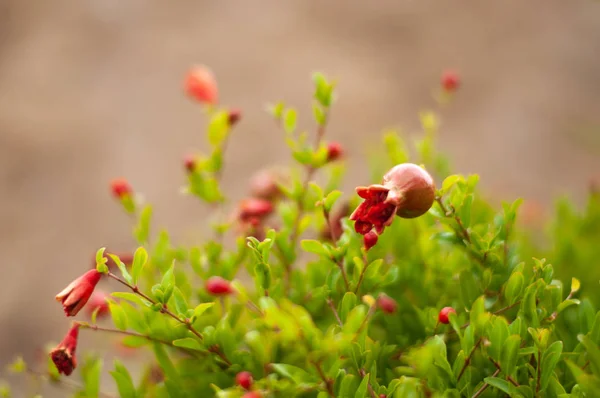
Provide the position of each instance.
(91, 90)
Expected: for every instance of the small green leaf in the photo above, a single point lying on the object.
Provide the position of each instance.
(218, 128)
(314, 246)
(190, 343)
(90, 373)
(501, 385)
(142, 230)
(167, 284)
(550, 358)
(449, 182)
(123, 380)
(575, 285)
(140, 258)
(289, 120)
(294, 373)
(118, 315)
(514, 287)
(510, 352)
(330, 200)
(201, 308)
(122, 268)
(361, 392)
(101, 261)
(18, 365)
(180, 303)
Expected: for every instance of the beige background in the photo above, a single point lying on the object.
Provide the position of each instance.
(91, 90)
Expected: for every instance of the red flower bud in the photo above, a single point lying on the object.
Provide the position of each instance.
(252, 209)
(98, 300)
(190, 163)
(370, 239)
(201, 85)
(450, 81)
(63, 355)
(252, 394)
(265, 184)
(218, 286)
(387, 304)
(234, 116)
(244, 380)
(120, 187)
(444, 315)
(382, 396)
(407, 191)
(334, 151)
(74, 296)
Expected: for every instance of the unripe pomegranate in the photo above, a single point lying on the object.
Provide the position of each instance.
(450, 81)
(444, 315)
(387, 304)
(244, 380)
(201, 85)
(218, 286)
(370, 239)
(407, 191)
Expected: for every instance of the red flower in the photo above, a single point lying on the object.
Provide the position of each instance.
(370, 239)
(218, 286)
(253, 210)
(98, 300)
(244, 380)
(234, 116)
(334, 151)
(63, 355)
(444, 315)
(74, 296)
(387, 304)
(201, 85)
(120, 187)
(407, 191)
(450, 81)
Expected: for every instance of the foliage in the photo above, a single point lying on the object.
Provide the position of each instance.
(304, 319)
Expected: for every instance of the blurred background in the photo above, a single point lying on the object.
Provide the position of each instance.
(91, 90)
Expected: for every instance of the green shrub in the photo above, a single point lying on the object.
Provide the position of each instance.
(287, 291)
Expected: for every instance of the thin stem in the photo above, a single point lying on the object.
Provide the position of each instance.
(468, 360)
(339, 263)
(84, 325)
(310, 171)
(485, 385)
(364, 322)
(328, 383)
(362, 273)
(335, 313)
(362, 374)
(217, 351)
(510, 379)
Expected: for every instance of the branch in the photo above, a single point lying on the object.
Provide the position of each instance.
(468, 360)
(485, 385)
(362, 374)
(328, 382)
(335, 313)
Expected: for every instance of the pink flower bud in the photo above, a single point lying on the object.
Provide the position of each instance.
(407, 191)
(234, 116)
(450, 81)
(444, 315)
(99, 301)
(370, 239)
(244, 380)
(387, 304)
(74, 296)
(120, 187)
(201, 85)
(334, 151)
(63, 355)
(218, 286)
(253, 210)
(265, 184)
(190, 163)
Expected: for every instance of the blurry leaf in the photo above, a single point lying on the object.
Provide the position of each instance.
(330, 200)
(501, 385)
(289, 120)
(140, 258)
(123, 380)
(514, 287)
(188, 342)
(550, 358)
(361, 392)
(298, 375)
(118, 315)
(142, 230)
(218, 128)
(449, 183)
(575, 285)
(101, 261)
(122, 268)
(18, 365)
(90, 373)
(314, 246)
(168, 284)
(180, 303)
(510, 351)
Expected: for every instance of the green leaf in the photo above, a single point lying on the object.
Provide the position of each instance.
(140, 258)
(188, 342)
(101, 261)
(314, 246)
(122, 268)
(218, 128)
(294, 373)
(168, 368)
(180, 303)
(90, 373)
(550, 358)
(132, 297)
(566, 304)
(142, 230)
(123, 380)
(118, 315)
(501, 385)
(330, 200)
(18, 365)
(361, 392)
(593, 353)
(319, 115)
(201, 308)
(468, 288)
(134, 341)
(510, 352)
(167, 284)
(289, 120)
(449, 183)
(514, 287)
